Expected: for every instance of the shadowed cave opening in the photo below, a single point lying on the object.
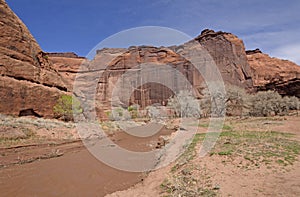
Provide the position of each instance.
(29, 112)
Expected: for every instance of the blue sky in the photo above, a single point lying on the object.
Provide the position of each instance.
(78, 26)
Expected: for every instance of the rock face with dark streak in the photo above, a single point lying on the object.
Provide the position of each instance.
(27, 79)
(229, 54)
(136, 59)
(274, 74)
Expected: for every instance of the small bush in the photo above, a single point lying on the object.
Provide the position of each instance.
(153, 112)
(119, 113)
(184, 104)
(66, 106)
(133, 110)
(293, 102)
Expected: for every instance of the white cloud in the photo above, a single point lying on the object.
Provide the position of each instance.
(290, 52)
(282, 44)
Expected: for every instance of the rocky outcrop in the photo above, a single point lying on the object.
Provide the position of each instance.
(274, 74)
(251, 52)
(285, 88)
(228, 52)
(27, 79)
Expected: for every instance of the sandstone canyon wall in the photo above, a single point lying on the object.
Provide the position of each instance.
(32, 80)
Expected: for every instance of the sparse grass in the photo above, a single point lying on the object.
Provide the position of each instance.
(227, 127)
(227, 152)
(204, 125)
(6, 120)
(189, 153)
(185, 185)
(28, 134)
(30, 130)
(258, 147)
(183, 180)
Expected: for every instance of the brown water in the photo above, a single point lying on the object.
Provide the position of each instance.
(74, 174)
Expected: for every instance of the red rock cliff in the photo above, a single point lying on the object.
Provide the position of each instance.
(27, 80)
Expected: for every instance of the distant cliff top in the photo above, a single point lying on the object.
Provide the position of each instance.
(64, 54)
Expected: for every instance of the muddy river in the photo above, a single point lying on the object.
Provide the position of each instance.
(76, 173)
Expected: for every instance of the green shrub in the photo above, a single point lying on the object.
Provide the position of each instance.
(133, 110)
(66, 106)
